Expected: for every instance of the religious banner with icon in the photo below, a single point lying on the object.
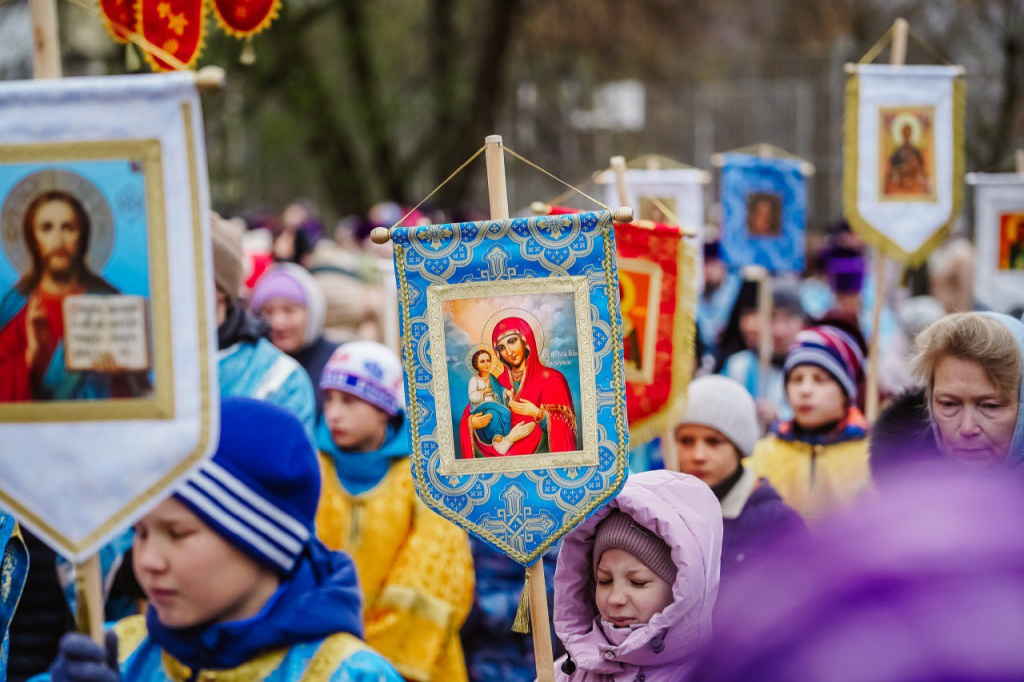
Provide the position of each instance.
(106, 326)
(658, 295)
(667, 192)
(764, 211)
(999, 239)
(903, 156)
(512, 347)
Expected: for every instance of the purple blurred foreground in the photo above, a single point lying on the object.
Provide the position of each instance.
(923, 581)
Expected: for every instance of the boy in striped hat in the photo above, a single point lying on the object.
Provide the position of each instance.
(819, 459)
(238, 585)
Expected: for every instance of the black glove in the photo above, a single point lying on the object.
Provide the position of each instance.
(82, 660)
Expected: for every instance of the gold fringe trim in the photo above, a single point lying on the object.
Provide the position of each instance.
(275, 10)
(868, 232)
(522, 622)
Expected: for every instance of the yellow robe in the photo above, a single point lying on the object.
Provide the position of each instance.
(813, 479)
(414, 566)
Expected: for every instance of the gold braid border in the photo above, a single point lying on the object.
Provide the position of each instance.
(683, 349)
(619, 410)
(866, 230)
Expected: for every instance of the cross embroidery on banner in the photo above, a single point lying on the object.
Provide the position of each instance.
(515, 524)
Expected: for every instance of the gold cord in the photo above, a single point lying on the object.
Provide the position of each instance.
(438, 188)
(555, 177)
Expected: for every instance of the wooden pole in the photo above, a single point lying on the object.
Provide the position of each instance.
(872, 401)
(46, 64)
(497, 193)
(1018, 158)
(756, 273)
(45, 43)
(618, 164)
(89, 595)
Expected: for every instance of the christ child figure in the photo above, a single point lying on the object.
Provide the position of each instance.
(488, 396)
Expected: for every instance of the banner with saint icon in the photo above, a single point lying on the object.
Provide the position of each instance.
(764, 211)
(658, 296)
(512, 347)
(106, 321)
(903, 156)
(999, 239)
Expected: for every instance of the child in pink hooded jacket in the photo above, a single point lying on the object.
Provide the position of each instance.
(636, 583)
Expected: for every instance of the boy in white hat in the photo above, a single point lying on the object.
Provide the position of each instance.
(719, 429)
(415, 567)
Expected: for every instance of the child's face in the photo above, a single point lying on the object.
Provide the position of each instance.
(750, 328)
(287, 320)
(628, 593)
(705, 453)
(816, 398)
(355, 425)
(483, 363)
(191, 575)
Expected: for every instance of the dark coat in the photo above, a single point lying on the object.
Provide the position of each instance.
(762, 522)
(902, 436)
(313, 358)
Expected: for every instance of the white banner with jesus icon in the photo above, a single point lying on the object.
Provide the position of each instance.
(512, 347)
(107, 378)
(903, 155)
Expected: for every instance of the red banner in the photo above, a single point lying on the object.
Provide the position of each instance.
(120, 17)
(244, 18)
(658, 296)
(175, 26)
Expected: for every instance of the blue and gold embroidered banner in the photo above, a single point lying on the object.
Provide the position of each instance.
(512, 348)
(764, 212)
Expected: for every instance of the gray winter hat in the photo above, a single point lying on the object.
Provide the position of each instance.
(619, 531)
(724, 405)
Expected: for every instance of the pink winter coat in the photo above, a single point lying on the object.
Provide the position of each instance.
(682, 511)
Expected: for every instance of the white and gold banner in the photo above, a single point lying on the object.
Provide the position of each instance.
(999, 239)
(903, 156)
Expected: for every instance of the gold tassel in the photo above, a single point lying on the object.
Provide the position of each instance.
(522, 622)
(248, 56)
(132, 63)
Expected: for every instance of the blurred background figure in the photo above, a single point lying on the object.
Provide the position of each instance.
(925, 584)
(717, 297)
(951, 276)
(788, 318)
(291, 301)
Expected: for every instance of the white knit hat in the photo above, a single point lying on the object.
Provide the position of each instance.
(724, 405)
(368, 370)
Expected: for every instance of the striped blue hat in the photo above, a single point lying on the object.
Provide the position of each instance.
(831, 349)
(261, 488)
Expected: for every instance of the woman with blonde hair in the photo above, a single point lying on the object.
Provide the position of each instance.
(971, 367)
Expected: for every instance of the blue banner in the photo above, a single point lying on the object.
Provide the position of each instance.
(512, 348)
(764, 212)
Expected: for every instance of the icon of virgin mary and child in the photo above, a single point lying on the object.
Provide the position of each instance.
(524, 409)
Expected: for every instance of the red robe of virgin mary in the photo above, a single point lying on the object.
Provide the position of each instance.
(543, 386)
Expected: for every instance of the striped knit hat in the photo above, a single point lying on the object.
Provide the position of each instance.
(831, 349)
(260, 490)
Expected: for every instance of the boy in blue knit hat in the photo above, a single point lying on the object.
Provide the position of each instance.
(238, 585)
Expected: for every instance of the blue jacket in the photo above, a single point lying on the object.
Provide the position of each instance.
(310, 629)
(259, 370)
(493, 651)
